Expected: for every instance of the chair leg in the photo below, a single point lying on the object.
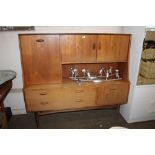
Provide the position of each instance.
(37, 119)
(5, 122)
(2, 107)
(4, 118)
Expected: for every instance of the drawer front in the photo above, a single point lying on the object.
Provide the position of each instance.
(35, 99)
(34, 96)
(60, 99)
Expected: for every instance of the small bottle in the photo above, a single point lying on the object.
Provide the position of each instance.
(84, 72)
(110, 71)
(117, 73)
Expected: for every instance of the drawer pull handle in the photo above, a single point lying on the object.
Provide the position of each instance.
(113, 89)
(78, 101)
(94, 46)
(43, 103)
(99, 46)
(43, 93)
(40, 40)
(79, 91)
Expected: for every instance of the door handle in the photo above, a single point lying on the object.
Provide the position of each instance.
(94, 46)
(99, 45)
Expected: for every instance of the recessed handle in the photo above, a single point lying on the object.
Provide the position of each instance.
(94, 46)
(79, 91)
(43, 93)
(78, 101)
(99, 45)
(40, 40)
(113, 89)
(44, 103)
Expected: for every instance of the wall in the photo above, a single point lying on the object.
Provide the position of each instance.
(10, 56)
(79, 29)
(143, 104)
(138, 34)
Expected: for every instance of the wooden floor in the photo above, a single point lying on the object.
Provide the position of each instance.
(92, 119)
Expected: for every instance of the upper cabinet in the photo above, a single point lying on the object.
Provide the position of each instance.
(43, 54)
(94, 48)
(78, 48)
(113, 48)
(41, 59)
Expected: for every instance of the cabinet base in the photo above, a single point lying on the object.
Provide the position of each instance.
(42, 113)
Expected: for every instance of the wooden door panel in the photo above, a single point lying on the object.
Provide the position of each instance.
(40, 59)
(68, 48)
(104, 52)
(86, 46)
(113, 48)
(78, 48)
(120, 47)
(124, 44)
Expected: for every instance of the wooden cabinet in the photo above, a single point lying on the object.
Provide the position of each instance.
(46, 59)
(113, 48)
(111, 94)
(40, 59)
(60, 98)
(94, 48)
(78, 48)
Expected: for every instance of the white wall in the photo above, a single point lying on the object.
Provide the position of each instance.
(79, 29)
(10, 56)
(143, 104)
(138, 34)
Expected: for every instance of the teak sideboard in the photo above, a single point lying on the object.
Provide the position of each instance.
(47, 58)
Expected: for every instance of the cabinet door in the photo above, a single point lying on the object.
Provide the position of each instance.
(104, 52)
(112, 94)
(120, 46)
(40, 59)
(112, 48)
(78, 48)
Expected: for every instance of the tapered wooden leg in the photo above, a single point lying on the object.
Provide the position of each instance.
(37, 119)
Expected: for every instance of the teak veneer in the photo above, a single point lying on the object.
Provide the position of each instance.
(47, 58)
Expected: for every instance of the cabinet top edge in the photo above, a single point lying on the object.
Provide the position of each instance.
(68, 83)
(74, 34)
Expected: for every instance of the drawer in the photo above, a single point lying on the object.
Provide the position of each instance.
(35, 96)
(60, 99)
(36, 93)
(43, 105)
